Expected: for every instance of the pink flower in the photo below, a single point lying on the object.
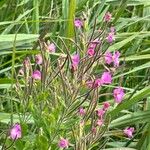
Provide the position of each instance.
(38, 59)
(78, 23)
(89, 83)
(36, 75)
(63, 143)
(21, 71)
(52, 48)
(129, 132)
(81, 111)
(118, 94)
(112, 30)
(15, 132)
(100, 113)
(110, 38)
(97, 83)
(75, 61)
(99, 122)
(109, 58)
(116, 58)
(106, 106)
(107, 17)
(90, 52)
(106, 78)
(94, 43)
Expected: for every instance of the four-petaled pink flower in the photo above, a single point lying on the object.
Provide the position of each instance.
(89, 83)
(92, 46)
(90, 52)
(36, 75)
(63, 143)
(81, 111)
(129, 131)
(106, 78)
(116, 58)
(52, 48)
(15, 132)
(108, 17)
(78, 23)
(112, 30)
(75, 61)
(99, 122)
(106, 106)
(111, 37)
(100, 113)
(38, 59)
(97, 83)
(109, 58)
(118, 94)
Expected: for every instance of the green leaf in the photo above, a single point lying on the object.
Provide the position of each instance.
(70, 27)
(119, 45)
(7, 41)
(7, 30)
(131, 119)
(146, 65)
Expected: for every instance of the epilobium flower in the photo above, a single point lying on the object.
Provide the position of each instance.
(15, 132)
(118, 94)
(75, 61)
(63, 143)
(109, 58)
(52, 48)
(112, 29)
(100, 113)
(81, 111)
(38, 59)
(129, 132)
(78, 23)
(36, 75)
(116, 58)
(97, 83)
(99, 122)
(107, 17)
(106, 106)
(89, 83)
(90, 52)
(111, 37)
(106, 78)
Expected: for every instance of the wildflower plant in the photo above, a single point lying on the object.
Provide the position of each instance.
(68, 91)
